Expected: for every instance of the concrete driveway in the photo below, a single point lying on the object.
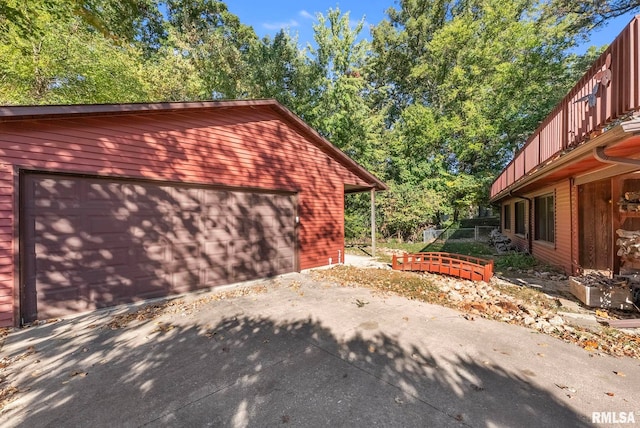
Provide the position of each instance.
(296, 352)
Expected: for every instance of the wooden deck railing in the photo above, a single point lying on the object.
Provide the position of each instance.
(467, 267)
(614, 82)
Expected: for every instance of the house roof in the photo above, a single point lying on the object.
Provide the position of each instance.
(594, 113)
(620, 144)
(10, 113)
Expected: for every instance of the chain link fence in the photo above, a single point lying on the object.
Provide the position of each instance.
(477, 233)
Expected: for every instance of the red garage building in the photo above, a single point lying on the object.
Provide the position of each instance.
(108, 204)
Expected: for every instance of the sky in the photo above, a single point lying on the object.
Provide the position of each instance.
(268, 17)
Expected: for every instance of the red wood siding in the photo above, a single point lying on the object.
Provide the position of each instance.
(6, 244)
(239, 147)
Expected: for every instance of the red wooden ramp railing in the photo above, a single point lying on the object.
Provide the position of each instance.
(467, 267)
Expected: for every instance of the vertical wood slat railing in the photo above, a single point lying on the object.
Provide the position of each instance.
(466, 267)
(571, 122)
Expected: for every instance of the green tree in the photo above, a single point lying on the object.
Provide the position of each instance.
(215, 43)
(407, 209)
(463, 83)
(66, 63)
(341, 111)
(585, 15)
(279, 69)
(172, 75)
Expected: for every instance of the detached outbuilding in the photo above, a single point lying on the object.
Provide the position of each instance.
(108, 204)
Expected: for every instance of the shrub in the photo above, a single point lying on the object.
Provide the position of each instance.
(516, 261)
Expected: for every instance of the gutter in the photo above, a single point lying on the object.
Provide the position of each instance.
(599, 154)
(610, 137)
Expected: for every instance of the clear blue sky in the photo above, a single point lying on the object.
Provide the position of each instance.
(268, 17)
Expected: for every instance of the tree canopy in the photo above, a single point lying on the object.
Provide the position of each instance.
(435, 103)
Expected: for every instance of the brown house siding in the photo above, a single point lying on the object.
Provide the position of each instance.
(557, 253)
(563, 225)
(239, 148)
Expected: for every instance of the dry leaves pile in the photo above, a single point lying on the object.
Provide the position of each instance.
(179, 306)
(144, 313)
(511, 304)
(7, 391)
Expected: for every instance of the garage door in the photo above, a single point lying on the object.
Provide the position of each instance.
(93, 242)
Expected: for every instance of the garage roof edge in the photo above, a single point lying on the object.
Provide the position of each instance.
(8, 113)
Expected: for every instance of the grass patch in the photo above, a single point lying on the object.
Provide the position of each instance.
(409, 247)
(384, 250)
(469, 248)
(357, 250)
(404, 284)
(516, 261)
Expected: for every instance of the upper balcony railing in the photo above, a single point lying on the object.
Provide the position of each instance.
(608, 91)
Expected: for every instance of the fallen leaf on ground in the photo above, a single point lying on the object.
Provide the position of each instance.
(508, 306)
(494, 300)
(361, 303)
(295, 285)
(480, 306)
(610, 394)
(528, 372)
(163, 327)
(565, 387)
(7, 394)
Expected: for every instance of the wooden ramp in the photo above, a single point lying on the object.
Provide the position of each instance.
(465, 267)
